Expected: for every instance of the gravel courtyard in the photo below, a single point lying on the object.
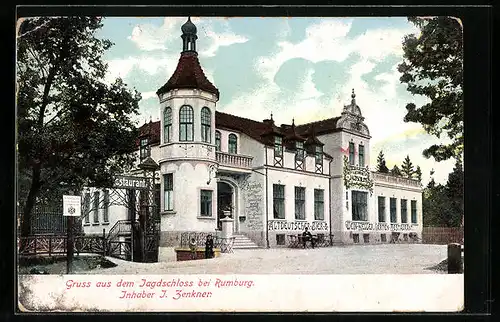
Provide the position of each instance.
(356, 259)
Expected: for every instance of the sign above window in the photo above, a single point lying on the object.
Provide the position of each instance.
(356, 177)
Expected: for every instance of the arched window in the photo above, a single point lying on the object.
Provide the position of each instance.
(186, 123)
(232, 144)
(206, 121)
(167, 125)
(217, 141)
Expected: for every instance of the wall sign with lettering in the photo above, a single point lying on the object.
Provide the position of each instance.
(377, 226)
(297, 225)
(356, 177)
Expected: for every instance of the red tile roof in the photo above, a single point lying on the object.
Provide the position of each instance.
(188, 74)
(253, 129)
(150, 130)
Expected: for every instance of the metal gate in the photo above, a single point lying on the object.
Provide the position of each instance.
(137, 237)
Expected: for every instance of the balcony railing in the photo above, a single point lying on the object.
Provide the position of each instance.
(381, 177)
(234, 160)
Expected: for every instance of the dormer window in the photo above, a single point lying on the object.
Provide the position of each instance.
(318, 155)
(299, 155)
(278, 151)
(144, 150)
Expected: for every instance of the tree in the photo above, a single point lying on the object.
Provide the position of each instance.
(433, 67)
(381, 166)
(73, 128)
(418, 174)
(443, 204)
(455, 192)
(407, 168)
(395, 171)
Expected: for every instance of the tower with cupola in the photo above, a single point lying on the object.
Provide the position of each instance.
(187, 150)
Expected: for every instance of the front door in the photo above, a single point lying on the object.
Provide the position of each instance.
(224, 201)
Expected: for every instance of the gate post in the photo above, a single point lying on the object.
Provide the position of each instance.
(454, 258)
(104, 242)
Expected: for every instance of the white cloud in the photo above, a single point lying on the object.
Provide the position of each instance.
(148, 95)
(221, 40)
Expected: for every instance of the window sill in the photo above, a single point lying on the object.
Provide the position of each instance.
(95, 224)
(206, 217)
(279, 219)
(86, 224)
(105, 223)
(168, 212)
(303, 220)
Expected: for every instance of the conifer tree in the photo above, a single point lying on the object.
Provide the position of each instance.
(381, 166)
(407, 168)
(395, 171)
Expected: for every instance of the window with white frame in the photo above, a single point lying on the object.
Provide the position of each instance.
(392, 206)
(186, 116)
(96, 207)
(168, 192)
(278, 201)
(86, 207)
(359, 205)
(319, 204)
(381, 209)
(144, 149)
(206, 203)
(361, 155)
(167, 125)
(217, 141)
(351, 153)
(232, 143)
(300, 203)
(404, 211)
(206, 128)
(413, 211)
(105, 214)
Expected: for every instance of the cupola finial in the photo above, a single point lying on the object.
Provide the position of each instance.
(353, 96)
(189, 36)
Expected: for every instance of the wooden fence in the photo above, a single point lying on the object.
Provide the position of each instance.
(442, 235)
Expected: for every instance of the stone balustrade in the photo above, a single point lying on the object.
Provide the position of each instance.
(234, 160)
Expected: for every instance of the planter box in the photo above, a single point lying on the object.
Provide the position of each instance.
(184, 253)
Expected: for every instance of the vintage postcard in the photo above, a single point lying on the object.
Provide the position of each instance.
(185, 163)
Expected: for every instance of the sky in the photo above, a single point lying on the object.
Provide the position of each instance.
(295, 68)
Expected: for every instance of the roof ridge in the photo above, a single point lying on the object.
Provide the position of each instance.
(240, 117)
(316, 122)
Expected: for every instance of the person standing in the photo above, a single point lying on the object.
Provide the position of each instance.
(209, 247)
(193, 247)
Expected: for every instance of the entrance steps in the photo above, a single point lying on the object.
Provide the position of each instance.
(243, 242)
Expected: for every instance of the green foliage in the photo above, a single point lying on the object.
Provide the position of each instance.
(433, 67)
(418, 174)
(73, 127)
(443, 205)
(381, 166)
(407, 168)
(395, 171)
